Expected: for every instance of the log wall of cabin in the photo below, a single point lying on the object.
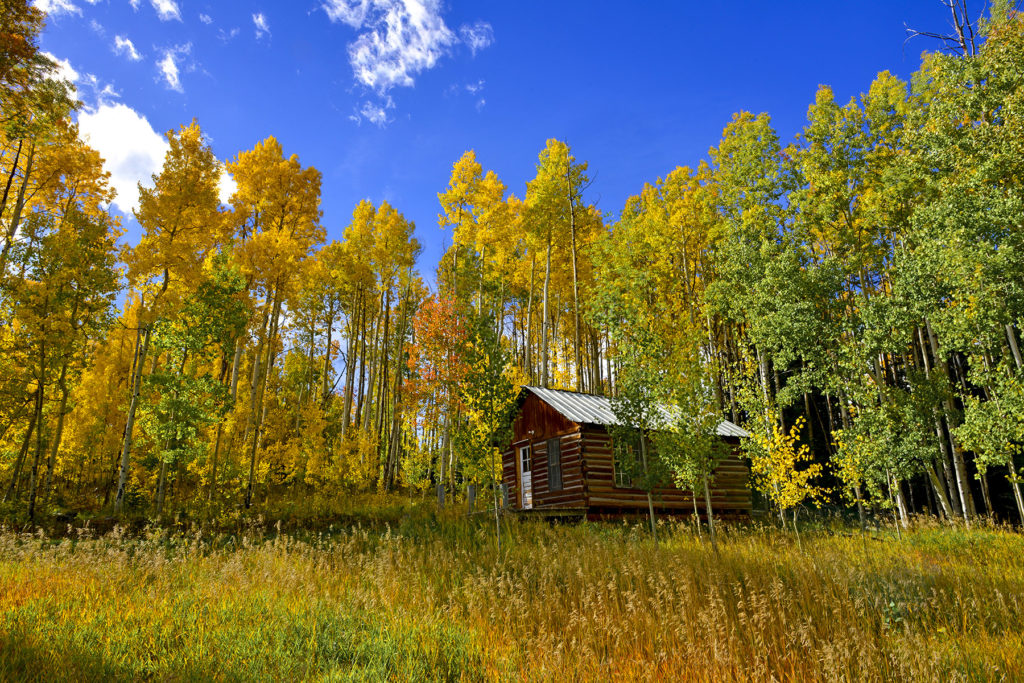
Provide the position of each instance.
(588, 470)
(536, 423)
(572, 493)
(730, 491)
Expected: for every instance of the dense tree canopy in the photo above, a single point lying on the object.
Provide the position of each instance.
(854, 298)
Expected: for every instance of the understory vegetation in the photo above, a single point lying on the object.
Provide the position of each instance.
(407, 593)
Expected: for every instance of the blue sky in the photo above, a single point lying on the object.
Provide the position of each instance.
(636, 88)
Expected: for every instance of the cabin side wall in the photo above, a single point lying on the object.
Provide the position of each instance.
(536, 423)
(730, 491)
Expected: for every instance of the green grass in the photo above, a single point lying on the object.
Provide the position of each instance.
(417, 596)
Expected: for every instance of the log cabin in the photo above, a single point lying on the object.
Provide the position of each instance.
(562, 461)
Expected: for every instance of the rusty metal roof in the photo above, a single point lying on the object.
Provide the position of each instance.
(591, 409)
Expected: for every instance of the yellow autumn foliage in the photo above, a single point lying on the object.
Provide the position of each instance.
(783, 469)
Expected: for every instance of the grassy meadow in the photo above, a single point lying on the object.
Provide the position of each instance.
(411, 594)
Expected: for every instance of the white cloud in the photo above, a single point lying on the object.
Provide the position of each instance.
(398, 39)
(107, 93)
(206, 19)
(56, 7)
(124, 46)
(374, 112)
(165, 9)
(131, 149)
(474, 88)
(351, 12)
(88, 87)
(259, 20)
(480, 104)
(227, 186)
(478, 36)
(169, 68)
(98, 92)
(64, 69)
(227, 35)
(134, 4)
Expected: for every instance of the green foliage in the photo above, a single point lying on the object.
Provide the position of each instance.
(184, 403)
(994, 428)
(488, 393)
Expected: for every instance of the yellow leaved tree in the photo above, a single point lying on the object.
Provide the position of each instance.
(181, 222)
(783, 469)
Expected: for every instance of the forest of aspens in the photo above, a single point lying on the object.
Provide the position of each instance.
(234, 449)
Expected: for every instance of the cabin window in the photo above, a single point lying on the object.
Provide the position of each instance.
(525, 477)
(627, 467)
(524, 459)
(624, 463)
(554, 464)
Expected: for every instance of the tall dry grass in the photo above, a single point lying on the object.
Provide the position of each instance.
(431, 599)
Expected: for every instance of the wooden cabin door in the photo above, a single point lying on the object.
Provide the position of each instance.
(525, 478)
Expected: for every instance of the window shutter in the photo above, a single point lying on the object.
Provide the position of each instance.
(554, 464)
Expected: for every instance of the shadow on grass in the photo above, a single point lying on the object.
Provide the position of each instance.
(332, 646)
(23, 658)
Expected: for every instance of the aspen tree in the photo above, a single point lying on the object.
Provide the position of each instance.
(180, 222)
(277, 208)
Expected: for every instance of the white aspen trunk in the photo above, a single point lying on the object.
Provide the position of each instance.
(373, 379)
(443, 453)
(235, 365)
(578, 358)
(257, 365)
(59, 431)
(161, 487)
(325, 384)
(126, 448)
(1015, 485)
(983, 478)
(480, 286)
(901, 504)
(528, 341)
(1011, 337)
(861, 517)
(696, 515)
(10, 178)
(19, 206)
(939, 490)
(34, 474)
(796, 530)
(495, 481)
(259, 405)
(608, 367)
(20, 461)
(959, 466)
(350, 368)
(544, 319)
(940, 436)
(391, 463)
(171, 441)
(211, 490)
(711, 519)
(650, 498)
(385, 347)
(451, 461)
